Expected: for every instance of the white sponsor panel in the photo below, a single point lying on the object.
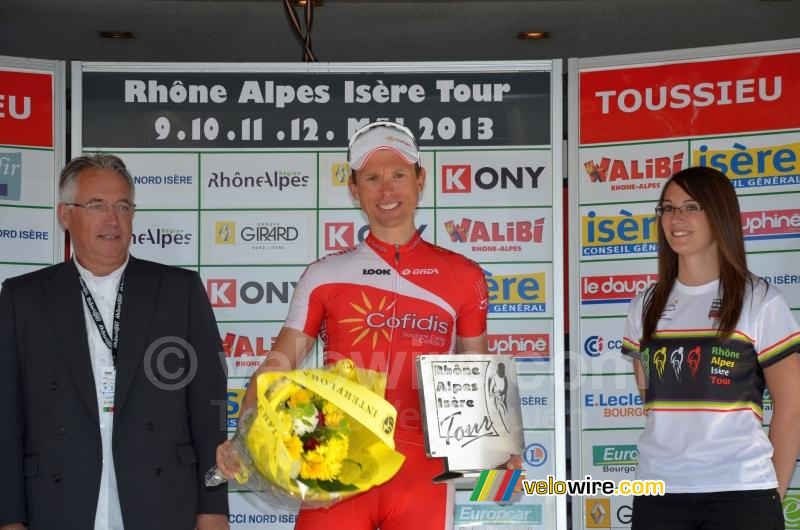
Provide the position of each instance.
(163, 180)
(334, 174)
(781, 271)
(600, 343)
(515, 234)
(628, 172)
(610, 401)
(250, 293)
(259, 180)
(529, 341)
(619, 231)
(755, 164)
(494, 178)
(165, 237)
(606, 288)
(246, 345)
(611, 455)
(27, 177)
(519, 290)
(341, 229)
(537, 400)
(248, 510)
(770, 222)
(528, 512)
(8, 270)
(26, 234)
(538, 457)
(258, 237)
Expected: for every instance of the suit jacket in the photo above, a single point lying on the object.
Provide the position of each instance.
(164, 439)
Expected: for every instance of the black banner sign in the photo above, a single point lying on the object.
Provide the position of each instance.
(295, 110)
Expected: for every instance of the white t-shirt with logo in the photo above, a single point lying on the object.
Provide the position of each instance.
(704, 395)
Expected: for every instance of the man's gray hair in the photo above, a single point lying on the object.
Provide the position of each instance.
(104, 161)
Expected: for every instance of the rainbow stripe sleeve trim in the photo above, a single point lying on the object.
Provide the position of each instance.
(495, 485)
(789, 344)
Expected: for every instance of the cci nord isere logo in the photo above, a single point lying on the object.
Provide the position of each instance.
(595, 345)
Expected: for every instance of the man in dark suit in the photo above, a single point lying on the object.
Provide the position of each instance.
(112, 390)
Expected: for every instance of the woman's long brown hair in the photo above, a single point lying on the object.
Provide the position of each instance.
(717, 197)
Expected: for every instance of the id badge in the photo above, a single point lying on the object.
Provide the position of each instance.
(108, 382)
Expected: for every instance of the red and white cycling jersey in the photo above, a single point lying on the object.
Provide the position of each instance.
(382, 305)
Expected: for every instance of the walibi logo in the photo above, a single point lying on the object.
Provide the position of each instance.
(618, 234)
(594, 345)
(771, 224)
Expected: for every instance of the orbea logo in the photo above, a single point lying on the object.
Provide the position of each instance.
(469, 231)
(10, 176)
(614, 289)
(594, 345)
(221, 293)
(340, 174)
(459, 178)
(523, 346)
(772, 224)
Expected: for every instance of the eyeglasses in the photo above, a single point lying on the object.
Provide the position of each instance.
(102, 207)
(686, 209)
(387, 124)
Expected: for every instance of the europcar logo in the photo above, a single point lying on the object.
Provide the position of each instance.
(614, 289)
(771, 224)
(516, 293)
(225, 233)
(595, 345)
(615, 458)
(340, 174)
(598, 513)
(10, 176)
(619, 234)
(535, 455)
(633, 174)
(756, 167)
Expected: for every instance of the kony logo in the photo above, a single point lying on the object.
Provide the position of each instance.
(469, 231)
(772, 224)
(614, 289)
(534, 347)
(459, 178)
(221, 293)
(339, 236)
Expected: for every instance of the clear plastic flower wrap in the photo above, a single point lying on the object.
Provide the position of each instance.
(317, 436)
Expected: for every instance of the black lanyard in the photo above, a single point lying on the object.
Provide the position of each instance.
(113, 341)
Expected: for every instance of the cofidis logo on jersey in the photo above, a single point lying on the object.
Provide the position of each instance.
(516, 293)
(771, 224)
(623, 234)
(753, 167)
(636, 174)
(614, 289)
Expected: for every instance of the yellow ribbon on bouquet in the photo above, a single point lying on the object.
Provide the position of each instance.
(371, 459)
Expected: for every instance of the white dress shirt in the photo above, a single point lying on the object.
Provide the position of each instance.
(104, 291)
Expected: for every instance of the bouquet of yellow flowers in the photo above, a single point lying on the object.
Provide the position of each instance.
(318, 436)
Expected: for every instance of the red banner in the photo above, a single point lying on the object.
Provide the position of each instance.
(26, 109)
(690, 99)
